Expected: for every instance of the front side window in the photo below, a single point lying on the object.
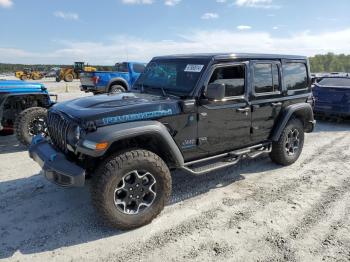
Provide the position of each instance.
(233, 77)
(295, 76)
(266, 78)
(122, 67)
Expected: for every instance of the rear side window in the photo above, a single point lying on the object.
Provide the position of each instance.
(341, 82)
(233, 77)
(266, 78)
(139, 68)
(123, 67)
(295, 76)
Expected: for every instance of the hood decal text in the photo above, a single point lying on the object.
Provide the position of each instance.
(136, 116)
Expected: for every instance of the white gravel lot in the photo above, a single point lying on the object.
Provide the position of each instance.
(256, 211)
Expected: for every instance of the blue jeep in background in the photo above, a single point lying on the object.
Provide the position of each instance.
(332, 96)
(23, 109)
(120, 80)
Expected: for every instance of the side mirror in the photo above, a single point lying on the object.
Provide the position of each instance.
(216, 91)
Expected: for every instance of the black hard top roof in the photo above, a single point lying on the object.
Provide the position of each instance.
(224, 56)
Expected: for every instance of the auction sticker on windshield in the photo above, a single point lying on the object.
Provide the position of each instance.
(194, 68)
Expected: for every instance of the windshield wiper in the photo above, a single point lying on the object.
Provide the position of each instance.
(143, 86)
(164, 93)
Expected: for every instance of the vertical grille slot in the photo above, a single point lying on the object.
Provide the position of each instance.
(58, 126)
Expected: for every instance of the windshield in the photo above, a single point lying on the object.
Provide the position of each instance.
(177, 76)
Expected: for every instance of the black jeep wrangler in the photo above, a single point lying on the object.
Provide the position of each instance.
(197, 113)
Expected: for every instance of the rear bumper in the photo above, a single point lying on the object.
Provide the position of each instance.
(55, 167)
(331, 109)
(86, 88)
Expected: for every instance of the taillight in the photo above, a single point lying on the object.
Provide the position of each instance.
(95, 79)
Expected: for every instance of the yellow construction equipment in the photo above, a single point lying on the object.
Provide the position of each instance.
(28, 73)
(68, 74)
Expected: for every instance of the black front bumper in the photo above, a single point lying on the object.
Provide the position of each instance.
(55, 167)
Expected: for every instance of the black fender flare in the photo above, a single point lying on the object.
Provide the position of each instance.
(46, 101)
(114, 133)
(117, 79)
(301, 110)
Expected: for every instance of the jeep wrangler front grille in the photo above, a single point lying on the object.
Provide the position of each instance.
(58, 126)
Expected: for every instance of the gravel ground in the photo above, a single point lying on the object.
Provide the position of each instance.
(256, 211)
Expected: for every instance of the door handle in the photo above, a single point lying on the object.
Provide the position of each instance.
(243, 110)
(276, 104)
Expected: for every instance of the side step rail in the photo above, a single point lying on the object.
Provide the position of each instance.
(213, 163)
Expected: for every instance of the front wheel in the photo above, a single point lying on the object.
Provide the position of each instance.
(131, 189)
(68, 78)
(290, 144)
(29, 123)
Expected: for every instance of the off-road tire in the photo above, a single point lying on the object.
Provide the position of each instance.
(23, 121)
(24, 78)
(69, 78)
(279, 153)
(37, 77)
(109, 174)
(116, 89)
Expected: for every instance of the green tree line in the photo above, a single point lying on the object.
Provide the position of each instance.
(11, 68)
(330, 63)
(319, 63)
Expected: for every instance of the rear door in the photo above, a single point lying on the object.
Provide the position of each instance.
(265, 98)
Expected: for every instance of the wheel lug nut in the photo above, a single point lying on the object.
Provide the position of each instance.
(138, 197)
(130, 189)
(130, 196)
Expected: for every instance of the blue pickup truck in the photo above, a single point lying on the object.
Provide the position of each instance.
(120, 80)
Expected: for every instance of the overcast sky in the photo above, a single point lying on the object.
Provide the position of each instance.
(108, 31)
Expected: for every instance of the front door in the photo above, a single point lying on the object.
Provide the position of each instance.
(225, 125)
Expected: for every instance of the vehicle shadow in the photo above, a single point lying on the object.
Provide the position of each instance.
(9, 144)
(332, 126)
(37, 216)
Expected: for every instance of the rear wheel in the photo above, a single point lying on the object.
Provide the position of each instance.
(29, 123)
(58, 79)
(290, 144)
(117, 89)
(24, 78)
(69, 78)
(130, 189)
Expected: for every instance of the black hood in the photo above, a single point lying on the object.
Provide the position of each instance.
(118, 108)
